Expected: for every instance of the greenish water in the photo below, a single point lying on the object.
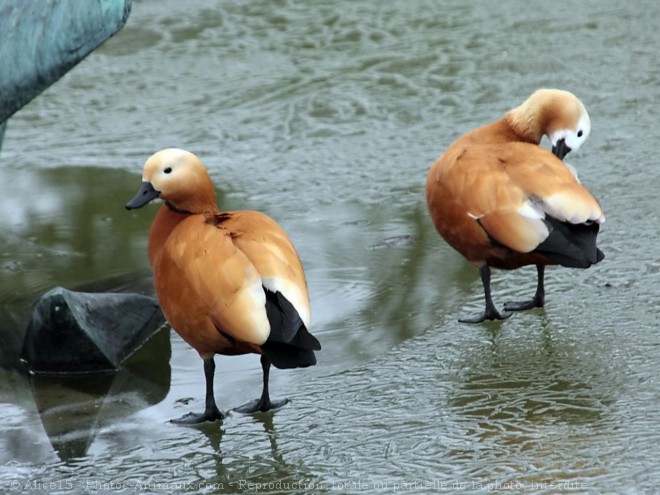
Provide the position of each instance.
(327, 116)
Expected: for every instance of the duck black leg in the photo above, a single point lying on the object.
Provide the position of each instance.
(211, 411)
(264, 403)
(491, 312)
(539, 297)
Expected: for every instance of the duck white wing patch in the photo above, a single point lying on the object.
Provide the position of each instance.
(564, 206)
(534, 217)
(531, 211)
(293, 294)
(260, 323)
(237, 308)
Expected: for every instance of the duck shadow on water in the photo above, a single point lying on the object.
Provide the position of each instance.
(216, 430)
(248, 459)
(526, 398)
(546, 370)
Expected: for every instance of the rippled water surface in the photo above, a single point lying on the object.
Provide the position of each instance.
(327, 116)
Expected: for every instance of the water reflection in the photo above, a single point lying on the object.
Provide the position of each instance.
(74, 409)
(522, 398)
(242, 455)
(64, 226)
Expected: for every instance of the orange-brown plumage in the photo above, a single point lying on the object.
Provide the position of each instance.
(228, 282)
(501, 200)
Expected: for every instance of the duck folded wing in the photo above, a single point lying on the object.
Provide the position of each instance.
(223, 279)
(269, 249)
(521, 230)
(553, 184)
(520, 194)
(289, 345)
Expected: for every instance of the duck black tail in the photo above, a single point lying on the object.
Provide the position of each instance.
(289, 344)
(571, 245)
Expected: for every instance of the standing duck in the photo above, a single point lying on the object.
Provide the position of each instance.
(228, 282)
(503, 201)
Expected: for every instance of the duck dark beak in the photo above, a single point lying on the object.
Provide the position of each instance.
(561, 149)
(144, 195)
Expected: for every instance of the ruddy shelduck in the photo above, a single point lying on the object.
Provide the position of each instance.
(502, 200)
(228, 282)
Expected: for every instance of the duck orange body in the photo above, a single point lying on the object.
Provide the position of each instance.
(228, 282)
(503, 201)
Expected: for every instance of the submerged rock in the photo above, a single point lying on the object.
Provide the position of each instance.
(83, 332)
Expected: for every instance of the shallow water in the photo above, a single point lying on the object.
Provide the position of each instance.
(327, 116)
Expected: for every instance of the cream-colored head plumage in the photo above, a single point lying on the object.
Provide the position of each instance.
(181, 179)
(558, 114)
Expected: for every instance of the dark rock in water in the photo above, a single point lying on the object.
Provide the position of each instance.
(83, 332)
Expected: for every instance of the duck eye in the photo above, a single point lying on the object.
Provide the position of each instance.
(169, 169)
(579, 134)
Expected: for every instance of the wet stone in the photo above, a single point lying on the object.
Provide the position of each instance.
(84, 332)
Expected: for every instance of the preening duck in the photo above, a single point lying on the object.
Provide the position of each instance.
(503, 201)
(228, 282)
